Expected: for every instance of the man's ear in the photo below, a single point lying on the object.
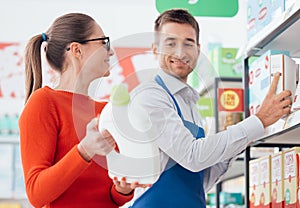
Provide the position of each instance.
(198, 48)
(155, 49)
(75, 49)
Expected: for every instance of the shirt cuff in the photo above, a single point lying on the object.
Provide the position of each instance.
(118, 198)
(253, 127)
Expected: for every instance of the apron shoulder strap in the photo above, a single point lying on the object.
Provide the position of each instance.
(159, 81)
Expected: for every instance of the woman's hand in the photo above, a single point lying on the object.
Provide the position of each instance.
(126, 188)
(95, 142)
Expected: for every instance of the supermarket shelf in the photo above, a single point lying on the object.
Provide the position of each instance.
(281, 35)
(236, 170)
(15, 203)
(289, 136)
(13, 139)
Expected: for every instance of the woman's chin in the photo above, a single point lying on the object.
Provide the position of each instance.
(106, 73)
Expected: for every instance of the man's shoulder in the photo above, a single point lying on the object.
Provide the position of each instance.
(149, 92)
(146, 86)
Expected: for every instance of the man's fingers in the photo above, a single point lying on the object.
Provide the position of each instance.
(287, 110)
(284, 94)
(286, 102)
(274, 83)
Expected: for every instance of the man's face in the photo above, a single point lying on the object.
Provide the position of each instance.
(177, 49)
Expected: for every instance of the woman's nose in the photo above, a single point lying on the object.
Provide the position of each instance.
(111, 52)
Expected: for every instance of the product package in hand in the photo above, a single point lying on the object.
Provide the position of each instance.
(138, 157)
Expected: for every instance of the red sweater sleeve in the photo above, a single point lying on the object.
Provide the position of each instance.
(118, 198)
(38, 133)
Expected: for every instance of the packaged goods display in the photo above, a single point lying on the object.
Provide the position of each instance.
(254, 183)
(291, 176)
(274, 180)
(277, 194)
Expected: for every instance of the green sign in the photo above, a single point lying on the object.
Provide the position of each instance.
(206, 107)
(206, 8)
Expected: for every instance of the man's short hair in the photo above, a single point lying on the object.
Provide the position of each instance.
(180, 16)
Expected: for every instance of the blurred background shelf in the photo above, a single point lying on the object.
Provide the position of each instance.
(11, 139)
(280, 35)
(236, 170)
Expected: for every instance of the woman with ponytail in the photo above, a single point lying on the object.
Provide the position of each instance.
(63, 153)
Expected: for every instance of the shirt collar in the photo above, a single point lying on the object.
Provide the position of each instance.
(175, 85)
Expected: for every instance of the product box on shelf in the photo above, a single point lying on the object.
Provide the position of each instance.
(287, 67)
(292, 119)
(225, 199)
(276, 9)
(276, 127)
(254, 183)
(10, 205)
(264, 13)
(277, 195)
(265, 181)
(291, 176)
(231, 198)
(258, 16)
(259, 79)
(296, 99)
(252, 14)
(298, 188)
(211, 199)
(259, 83)
(288, 4)
(9, 124)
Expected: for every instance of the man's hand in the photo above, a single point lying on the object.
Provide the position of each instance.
(274, 106)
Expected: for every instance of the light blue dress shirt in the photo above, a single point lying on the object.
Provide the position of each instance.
(214, 153)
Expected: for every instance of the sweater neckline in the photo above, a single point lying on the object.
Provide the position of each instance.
(69, 93)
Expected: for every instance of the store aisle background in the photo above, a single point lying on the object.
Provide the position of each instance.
(19, 20)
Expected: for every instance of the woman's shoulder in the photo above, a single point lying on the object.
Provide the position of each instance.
(40, 94)
(37, 104)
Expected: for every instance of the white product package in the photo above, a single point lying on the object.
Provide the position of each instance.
(138, 157)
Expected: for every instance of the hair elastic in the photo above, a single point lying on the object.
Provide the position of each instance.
(44, 36)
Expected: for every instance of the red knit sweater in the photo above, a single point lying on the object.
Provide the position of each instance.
(51, 125)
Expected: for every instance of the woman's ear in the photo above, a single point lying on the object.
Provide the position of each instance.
(75, 49)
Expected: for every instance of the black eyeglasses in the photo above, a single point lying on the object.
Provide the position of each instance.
(106, 39)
